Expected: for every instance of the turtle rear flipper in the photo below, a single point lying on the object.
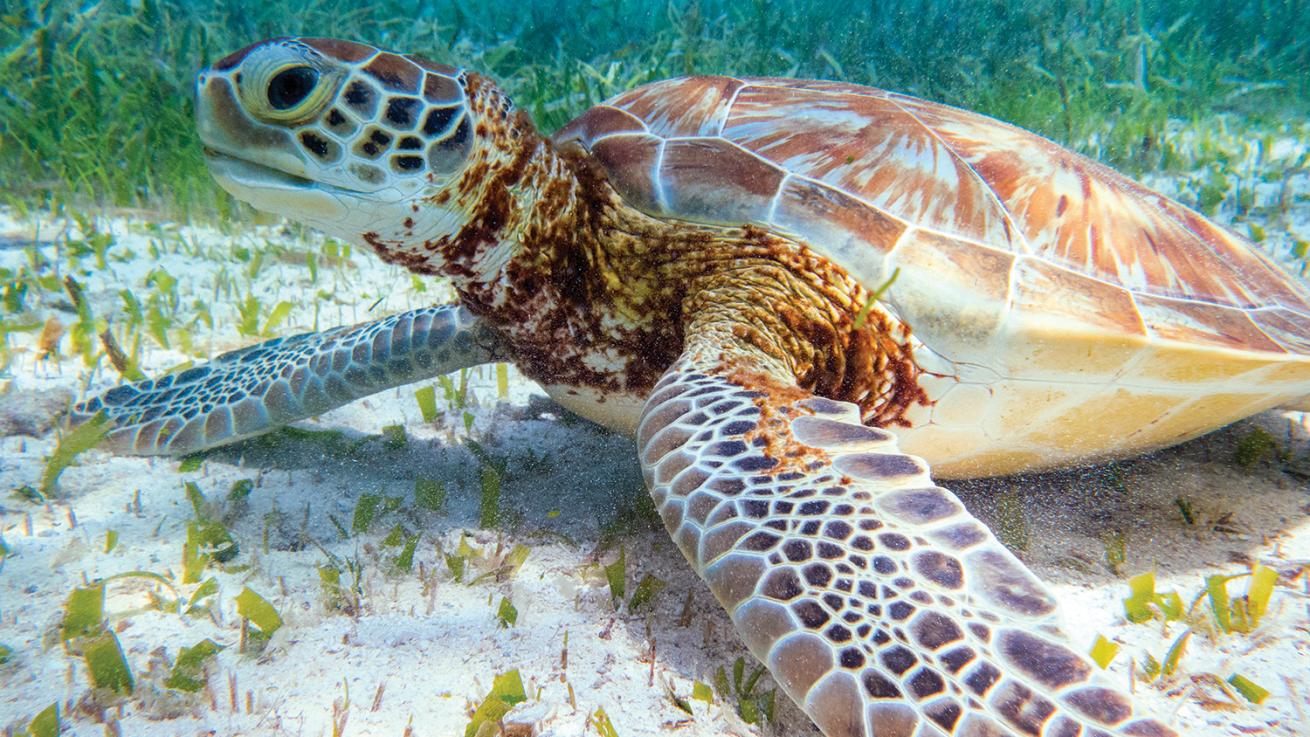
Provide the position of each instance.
(265, 386)
(881, 606)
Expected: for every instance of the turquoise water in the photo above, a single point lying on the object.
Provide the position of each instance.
(390, 533)
(96, 103)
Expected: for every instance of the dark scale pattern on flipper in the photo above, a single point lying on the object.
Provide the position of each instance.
(880, 605)
(256, 389)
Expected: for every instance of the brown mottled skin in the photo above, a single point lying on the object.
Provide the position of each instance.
(586, 262)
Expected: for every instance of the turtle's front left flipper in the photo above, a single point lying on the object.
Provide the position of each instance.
(879, 603)
(262, 387)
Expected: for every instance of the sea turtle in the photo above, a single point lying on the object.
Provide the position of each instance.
(798, 295)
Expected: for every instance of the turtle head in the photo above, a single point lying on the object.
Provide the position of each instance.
(363, 144)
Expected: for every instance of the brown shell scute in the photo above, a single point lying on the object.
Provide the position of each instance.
(1045, 289)
(1285, 326)
(630, 159)
(347, 51)
(867, 146)
(1197, 322)
(599, 122)
(718, 182)
(1088, 216)
(805, 206)
(698, 108)
(858, 173)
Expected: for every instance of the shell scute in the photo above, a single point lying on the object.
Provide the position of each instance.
(1079, 213)
(1202, 323)
(824, 214)
(854, 172)
(1285, 326)
(711, 180)
(631, 160)
(1045, 291)
(598, 122)
(697, 109)
(958, 292)
(870, 148)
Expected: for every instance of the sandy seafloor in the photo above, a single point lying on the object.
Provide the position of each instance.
(422, 649)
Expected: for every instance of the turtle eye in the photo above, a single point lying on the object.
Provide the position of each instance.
(290, 87)
(282, 90)
(286, 84)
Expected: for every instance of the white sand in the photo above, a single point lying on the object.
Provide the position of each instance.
(422, 649)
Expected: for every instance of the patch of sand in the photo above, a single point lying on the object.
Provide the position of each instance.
(420, 649)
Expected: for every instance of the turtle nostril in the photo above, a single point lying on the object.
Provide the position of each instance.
(290, 87)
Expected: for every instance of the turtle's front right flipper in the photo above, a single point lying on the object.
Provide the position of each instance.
(262, 387)
(882, 607)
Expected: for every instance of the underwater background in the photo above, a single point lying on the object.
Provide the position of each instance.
(95, 97)
(385, 568)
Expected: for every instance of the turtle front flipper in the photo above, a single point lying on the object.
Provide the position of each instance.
(881, 606)
(265, 386)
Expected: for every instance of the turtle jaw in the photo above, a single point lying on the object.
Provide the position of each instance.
(277, 190)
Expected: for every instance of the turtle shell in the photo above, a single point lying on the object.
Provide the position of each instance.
(983, 218)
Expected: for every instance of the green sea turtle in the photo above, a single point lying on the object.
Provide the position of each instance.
(708, 263)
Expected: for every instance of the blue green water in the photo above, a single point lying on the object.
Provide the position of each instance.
(96, 97)
(101, 171)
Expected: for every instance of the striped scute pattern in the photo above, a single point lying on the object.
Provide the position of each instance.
(854, 172)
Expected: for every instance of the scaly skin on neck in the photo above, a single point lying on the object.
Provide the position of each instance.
(592, 292)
